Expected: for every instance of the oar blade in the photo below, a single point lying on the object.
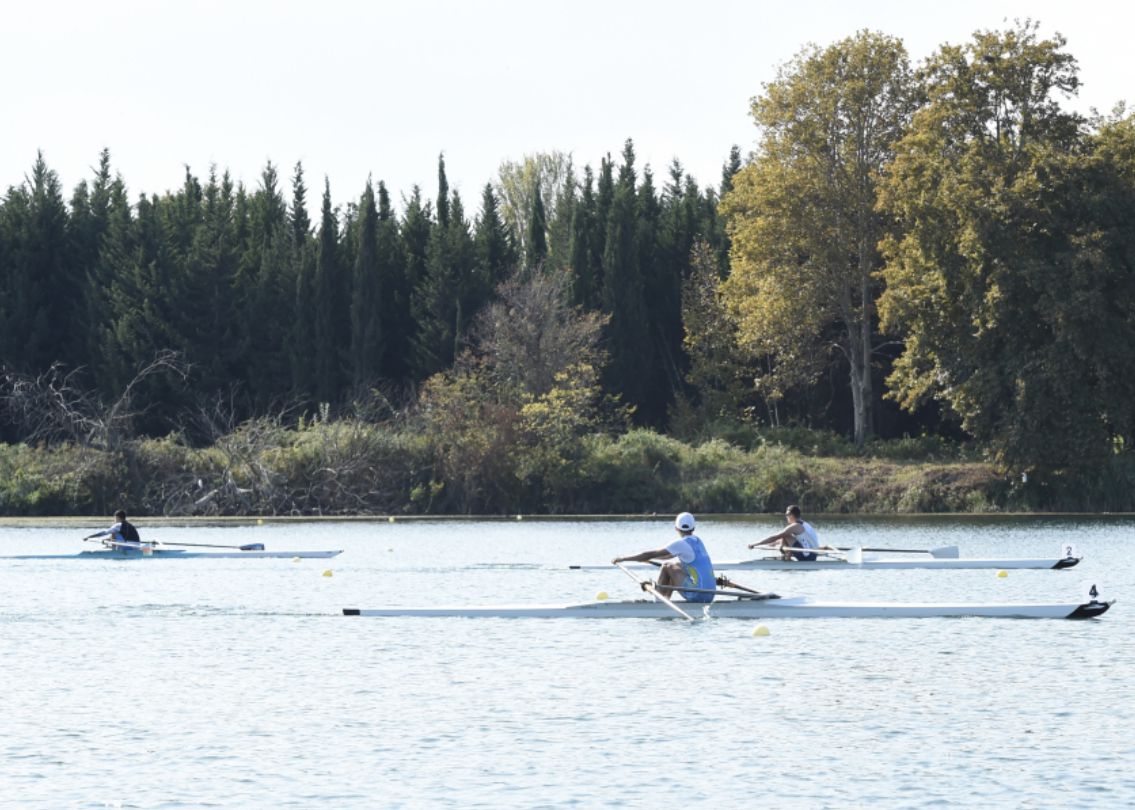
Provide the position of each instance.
(945, 553)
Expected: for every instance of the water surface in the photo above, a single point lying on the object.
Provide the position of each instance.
(236, 683)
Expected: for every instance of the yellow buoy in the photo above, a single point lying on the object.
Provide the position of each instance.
(259, 521)
(760, 630)
(390, 519)
(1002, 574)
(601, 596)
(520, 517)
(327, 573)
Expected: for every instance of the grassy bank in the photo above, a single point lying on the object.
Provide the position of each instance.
(353, 468)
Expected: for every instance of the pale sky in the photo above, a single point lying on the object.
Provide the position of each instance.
(354, 88)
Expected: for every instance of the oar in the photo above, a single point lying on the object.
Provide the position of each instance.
(944, 552)
(145, 548)
(106, 541)
(725, 582)
(741, 590)
(648, 586)
(852, 555)
(245, 547)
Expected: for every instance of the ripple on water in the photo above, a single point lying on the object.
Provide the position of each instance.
(227, 683)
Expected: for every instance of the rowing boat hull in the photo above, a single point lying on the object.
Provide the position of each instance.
(835, 564)
(175, 554)
(793, 608)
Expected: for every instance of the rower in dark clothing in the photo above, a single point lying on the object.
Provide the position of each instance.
(121, 532)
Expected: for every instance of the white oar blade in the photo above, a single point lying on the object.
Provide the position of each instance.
(855, 555)
(945, 553)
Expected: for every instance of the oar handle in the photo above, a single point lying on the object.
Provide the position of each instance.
(726, 582)
(653, 591)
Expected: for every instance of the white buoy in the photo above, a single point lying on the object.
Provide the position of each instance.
(760, 630)
(295, 559)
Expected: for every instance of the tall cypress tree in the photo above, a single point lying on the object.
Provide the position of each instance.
(416, 230)
(125, 249)
(147, 311)
(43, 296)
(116, 239)
(677, 231)
(437, 303)
(393, 290)
(536, 241)
(211, 318)
(442, 194)
(332, 333)
(627, 333)
(584, 236)
(493, 250)
(729, 170)
(366, 296)
(715, 227)
(90, 214)
(661, 286)
(267, 311)
(462, 253)
(560, 227)
(302, 335)
(604, 199)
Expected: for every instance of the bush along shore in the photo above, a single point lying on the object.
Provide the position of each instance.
(355, 468)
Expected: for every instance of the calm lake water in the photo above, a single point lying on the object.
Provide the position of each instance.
(236, 683)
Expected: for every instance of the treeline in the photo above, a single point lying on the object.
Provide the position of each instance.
(936, 249)
(274, 306)
(958, 219)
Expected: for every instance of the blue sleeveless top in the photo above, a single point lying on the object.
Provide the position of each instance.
(699, 573)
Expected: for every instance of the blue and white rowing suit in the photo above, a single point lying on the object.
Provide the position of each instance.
(699, 569)
(806, 539)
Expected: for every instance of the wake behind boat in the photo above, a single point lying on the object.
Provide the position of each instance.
(114, 550)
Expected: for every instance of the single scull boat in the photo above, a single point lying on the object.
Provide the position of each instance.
(163, 551)
(870, 563)
(735, 601)
(752, 608)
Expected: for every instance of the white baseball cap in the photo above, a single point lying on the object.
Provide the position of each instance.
(685, 522)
